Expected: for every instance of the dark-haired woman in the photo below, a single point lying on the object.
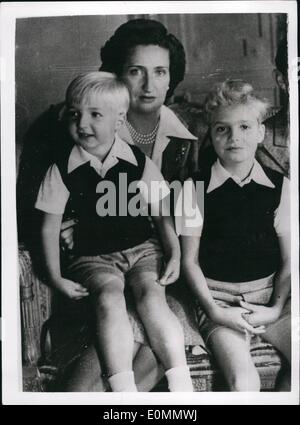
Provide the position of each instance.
(152, 63)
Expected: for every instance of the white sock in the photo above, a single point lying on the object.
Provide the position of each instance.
(179, 379)
(123, 382)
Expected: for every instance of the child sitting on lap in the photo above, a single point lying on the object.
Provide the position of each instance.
(237, 261)
(111, 246)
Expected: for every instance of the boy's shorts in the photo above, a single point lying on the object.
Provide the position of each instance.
(142, 262)
(227, 294)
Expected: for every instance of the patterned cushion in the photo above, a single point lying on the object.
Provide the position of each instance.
(207, 377)
(43, 373)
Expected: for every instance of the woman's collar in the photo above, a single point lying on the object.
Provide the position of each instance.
(171, 126)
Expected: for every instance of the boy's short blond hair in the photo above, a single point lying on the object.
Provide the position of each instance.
(235, 92)
(108, 85)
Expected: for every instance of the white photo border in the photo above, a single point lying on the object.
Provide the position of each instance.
(11, 333)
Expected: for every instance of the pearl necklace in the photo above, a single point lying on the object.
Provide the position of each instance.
(140, 138)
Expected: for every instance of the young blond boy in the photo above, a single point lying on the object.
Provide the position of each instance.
(237, 261)
(112, 249)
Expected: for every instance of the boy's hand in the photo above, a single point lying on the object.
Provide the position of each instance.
(71, 289)
(260, 314)
(170, 272)
(66, 234)
(232, 317)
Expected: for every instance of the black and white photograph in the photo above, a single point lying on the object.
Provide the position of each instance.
(149, 180)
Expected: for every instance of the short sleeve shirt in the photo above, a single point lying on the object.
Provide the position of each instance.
(53, 194)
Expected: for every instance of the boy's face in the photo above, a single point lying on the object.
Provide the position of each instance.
(235, 133)
(94, 122)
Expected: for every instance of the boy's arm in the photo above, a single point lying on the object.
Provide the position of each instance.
(50, 245)
(194, 275)
(282, 279)
(261, 315)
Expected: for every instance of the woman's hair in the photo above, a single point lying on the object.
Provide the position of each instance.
(234, 92)
(143, 32)
(281, 58)
(108, 85)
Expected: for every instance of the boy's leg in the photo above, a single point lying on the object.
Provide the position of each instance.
(232, 353)
(104, 277)
(279, 335)
(86, 375)
(114, 338)
(163, 328)
(279, 332)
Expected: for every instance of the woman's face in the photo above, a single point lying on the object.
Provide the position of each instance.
(147, 76)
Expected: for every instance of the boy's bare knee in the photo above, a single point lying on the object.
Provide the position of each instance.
(108, 298)
(245, 381)
(150, 297)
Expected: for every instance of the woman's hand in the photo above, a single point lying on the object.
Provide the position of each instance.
(260, 314)
(233, 317)
(71, 289)
(170, 272)
(66, 234)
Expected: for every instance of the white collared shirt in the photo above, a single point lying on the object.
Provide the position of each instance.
(169, 126)
(186, 225)
(53, 194)
(219, 175)
(119, 150)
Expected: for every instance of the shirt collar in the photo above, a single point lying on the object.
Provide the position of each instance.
(219, 175)
(119, 150)
(171, 126)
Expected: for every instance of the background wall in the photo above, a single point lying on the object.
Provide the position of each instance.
(51, 51)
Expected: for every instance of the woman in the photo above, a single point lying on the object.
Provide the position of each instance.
(152, 63)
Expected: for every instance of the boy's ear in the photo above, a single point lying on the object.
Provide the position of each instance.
(262, 130)
(121, 119)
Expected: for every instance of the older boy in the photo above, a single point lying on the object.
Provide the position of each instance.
(238, 261)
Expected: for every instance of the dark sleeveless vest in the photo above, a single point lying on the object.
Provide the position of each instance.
(95, 234)
(238, 241)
